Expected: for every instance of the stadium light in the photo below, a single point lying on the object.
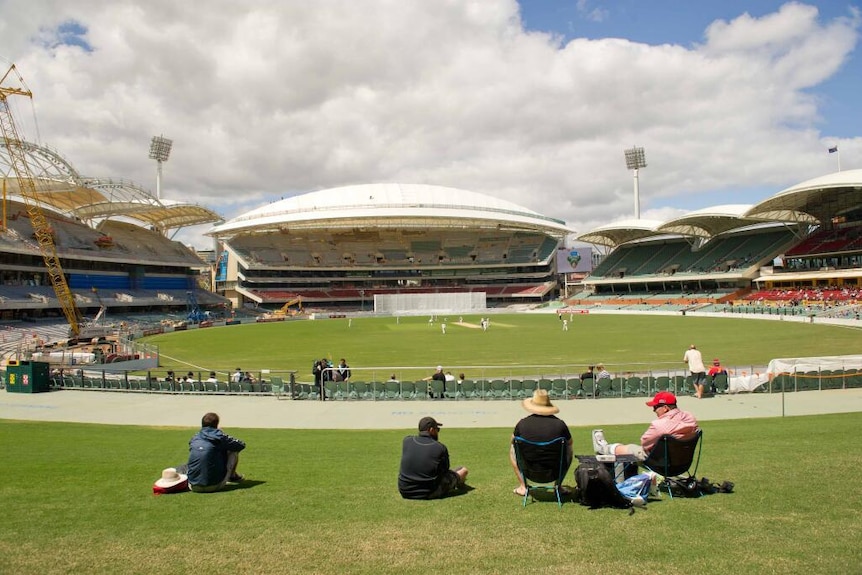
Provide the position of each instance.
(635, 160)
(160, 150)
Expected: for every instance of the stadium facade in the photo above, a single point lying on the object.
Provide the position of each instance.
(341, 247)
(112, 240)
(803, 244)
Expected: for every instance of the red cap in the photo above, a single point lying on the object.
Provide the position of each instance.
(662, 398)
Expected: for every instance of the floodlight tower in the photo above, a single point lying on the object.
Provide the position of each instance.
(635, 160)
(160, 150)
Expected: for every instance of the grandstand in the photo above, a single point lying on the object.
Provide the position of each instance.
(801, 249)
(111, 238)
(340, 248)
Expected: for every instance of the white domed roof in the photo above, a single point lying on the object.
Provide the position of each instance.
(377, 204)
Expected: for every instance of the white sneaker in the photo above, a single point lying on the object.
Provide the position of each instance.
(653, 484)
(600, 445)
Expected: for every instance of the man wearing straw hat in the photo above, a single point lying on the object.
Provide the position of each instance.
(542, 425)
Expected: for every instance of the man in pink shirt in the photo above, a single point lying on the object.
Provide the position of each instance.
(669, 421)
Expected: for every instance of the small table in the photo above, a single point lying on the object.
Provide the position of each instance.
(623, 466)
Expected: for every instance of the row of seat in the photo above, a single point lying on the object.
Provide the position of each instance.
(494, 389)
(490, 389)
(816, 380)
(136, 384)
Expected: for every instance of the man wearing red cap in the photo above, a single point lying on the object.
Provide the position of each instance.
(715, 370)
(669, 421)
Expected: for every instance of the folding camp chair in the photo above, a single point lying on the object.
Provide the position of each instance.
(672, 457)
(531, 458)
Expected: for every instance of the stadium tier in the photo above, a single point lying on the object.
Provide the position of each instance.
(341, 247)
(807, 237)
(344, 247)
(120, 266)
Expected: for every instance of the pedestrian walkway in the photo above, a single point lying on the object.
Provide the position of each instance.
(269, 412)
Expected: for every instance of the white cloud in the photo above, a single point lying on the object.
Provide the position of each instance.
(267, 100)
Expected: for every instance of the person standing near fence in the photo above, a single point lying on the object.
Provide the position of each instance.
(698, 371)
(436, 376)
(343, 371)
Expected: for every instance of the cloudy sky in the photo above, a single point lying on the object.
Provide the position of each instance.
(530, 101)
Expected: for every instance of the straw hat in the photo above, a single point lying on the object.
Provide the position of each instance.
(540, 404)
(170, 478)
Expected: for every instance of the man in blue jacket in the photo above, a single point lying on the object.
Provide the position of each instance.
(213, 457)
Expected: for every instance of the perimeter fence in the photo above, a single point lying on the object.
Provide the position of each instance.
(484, 383)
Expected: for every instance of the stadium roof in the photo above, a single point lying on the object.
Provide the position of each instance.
(709, 222)
(60, 187)
(812, 201)
(390, 205)
(618, 233)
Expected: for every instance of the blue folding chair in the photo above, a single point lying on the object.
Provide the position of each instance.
(533, 458)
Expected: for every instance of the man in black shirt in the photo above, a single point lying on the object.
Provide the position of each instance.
(424, 472)
(436, 376)
(541, 426)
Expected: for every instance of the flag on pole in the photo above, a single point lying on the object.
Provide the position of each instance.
(833, 149)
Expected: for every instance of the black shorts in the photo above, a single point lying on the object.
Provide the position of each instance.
(448, 483)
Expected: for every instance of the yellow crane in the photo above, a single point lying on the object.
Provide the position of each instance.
(27, 186)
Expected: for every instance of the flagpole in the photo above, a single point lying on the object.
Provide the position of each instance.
(835, 150)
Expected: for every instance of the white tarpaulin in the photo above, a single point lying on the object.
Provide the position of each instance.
(737, 383)
(794, 365)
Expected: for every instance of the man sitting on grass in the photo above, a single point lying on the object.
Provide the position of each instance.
(213, 457)
(425, 472)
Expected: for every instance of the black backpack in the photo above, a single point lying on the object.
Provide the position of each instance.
(597, 487)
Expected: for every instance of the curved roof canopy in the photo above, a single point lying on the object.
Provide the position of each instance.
(60, 187)
(386, 205)
(813, 201)
(618, 233)
(709, 222)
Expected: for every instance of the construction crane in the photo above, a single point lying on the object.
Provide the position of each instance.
(194, 313)
(27, 186)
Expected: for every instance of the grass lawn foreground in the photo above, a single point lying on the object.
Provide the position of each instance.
(77, 499)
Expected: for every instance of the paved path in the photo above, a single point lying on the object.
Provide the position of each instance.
(269, 412)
